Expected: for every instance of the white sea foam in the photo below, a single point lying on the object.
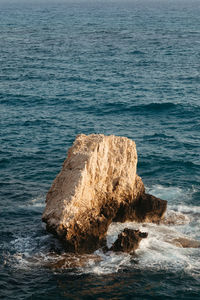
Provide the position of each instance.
(37, 202)
(188, 209)
(110, 263)
(167, 193)
(157, 252)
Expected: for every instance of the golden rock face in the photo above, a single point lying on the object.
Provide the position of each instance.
(97, 184)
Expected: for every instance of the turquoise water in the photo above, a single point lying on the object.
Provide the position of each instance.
(128, 68)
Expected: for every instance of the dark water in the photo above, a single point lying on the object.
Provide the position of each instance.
(128, 68)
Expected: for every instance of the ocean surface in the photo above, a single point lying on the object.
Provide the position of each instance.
(128, 68)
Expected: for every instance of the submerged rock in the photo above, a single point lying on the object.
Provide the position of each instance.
(128, 240)
(184, 242)
(98, 184)
(70, 261)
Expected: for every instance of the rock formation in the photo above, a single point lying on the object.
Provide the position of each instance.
(128, 240)
(97, 185)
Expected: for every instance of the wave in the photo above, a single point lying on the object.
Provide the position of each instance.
(155, 106)
(123, 106)
(119, 107)
(188, 79)
(158, 135)
(20, 99)
(38, 122)
(137, 52)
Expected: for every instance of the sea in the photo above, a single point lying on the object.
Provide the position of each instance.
(117, 67)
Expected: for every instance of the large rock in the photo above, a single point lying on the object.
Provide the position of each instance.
(97, 185)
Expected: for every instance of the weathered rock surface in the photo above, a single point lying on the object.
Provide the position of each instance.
(98, 184)
(128, 240)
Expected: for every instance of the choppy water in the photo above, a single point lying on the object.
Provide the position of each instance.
(128, 68)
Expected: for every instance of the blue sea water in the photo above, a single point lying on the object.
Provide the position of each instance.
(129, 68)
